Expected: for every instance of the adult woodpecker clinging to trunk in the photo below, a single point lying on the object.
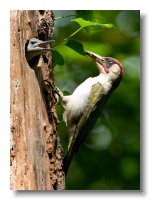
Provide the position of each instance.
(83, 107)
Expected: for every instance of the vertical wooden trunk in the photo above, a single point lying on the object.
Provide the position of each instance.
(35, 149)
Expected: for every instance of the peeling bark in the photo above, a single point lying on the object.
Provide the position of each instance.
(35, 149)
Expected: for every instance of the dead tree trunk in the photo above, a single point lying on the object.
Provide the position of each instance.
(35, 152)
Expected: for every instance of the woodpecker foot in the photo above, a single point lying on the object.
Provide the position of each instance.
(56, 91)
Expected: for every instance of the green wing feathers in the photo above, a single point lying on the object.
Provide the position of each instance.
(95, 96)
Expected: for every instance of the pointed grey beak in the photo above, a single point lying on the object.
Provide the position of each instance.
(95, 56)
(40, 45)
(99, 60)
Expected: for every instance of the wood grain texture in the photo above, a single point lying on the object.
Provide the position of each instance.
(35, 149)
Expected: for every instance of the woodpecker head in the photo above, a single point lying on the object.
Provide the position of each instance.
(35, 47)
(107, 65)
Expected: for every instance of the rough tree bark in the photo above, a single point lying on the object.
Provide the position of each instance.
(35, 149)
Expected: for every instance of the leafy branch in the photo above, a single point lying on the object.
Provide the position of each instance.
(75, 45)
(83, 24)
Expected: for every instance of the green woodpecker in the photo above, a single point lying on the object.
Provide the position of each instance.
(83, 107)
(35, 47)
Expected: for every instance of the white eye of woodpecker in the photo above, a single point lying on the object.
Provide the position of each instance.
(110, 61)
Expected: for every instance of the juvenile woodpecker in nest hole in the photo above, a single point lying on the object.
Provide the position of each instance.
(83, 107)
(35, 47)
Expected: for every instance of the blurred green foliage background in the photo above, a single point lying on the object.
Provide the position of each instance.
(110, 157)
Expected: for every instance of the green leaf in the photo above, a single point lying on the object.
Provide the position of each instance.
(93, 16)
(108, 25)
(76, 46)
(58, 58)
(83, 24)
